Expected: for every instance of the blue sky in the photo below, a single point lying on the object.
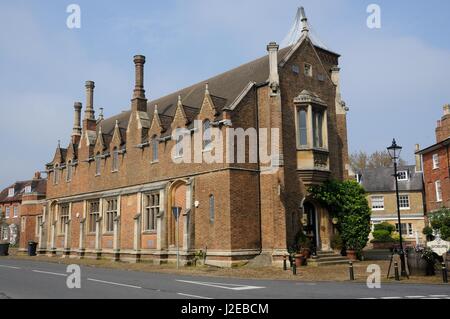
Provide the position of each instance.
(395, 80)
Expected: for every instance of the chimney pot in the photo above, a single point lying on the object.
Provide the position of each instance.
(139, 92)
(37, 175)
(274, 78)
(446, 109)
(89, 113)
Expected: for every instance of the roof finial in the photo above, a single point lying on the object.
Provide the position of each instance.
(304, 21)
(156, 108)
(117, 123)
(207, 88)
(59, 143)
(179, 100)
(100, 116)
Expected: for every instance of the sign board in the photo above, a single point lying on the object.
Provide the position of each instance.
(176, 212)
(439, 246)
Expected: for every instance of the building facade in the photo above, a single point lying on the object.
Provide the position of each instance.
(436, 159)
(380, 187)
(22, 205)
(112, 191)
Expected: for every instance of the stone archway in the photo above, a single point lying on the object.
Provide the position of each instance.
(319, 225)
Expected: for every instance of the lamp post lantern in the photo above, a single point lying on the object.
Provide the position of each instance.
(394, 152)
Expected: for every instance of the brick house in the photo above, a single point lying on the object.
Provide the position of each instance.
(380, 187)
(436, 159)
(22, 204)
(112, 191)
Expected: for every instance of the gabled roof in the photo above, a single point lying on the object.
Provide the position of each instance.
(224, 89)
(381, 179)
(434, 147)
(37, 186)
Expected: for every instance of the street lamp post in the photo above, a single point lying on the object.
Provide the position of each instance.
(394, 152)
(176, 213)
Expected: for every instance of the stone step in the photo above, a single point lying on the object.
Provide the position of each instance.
(329, 258)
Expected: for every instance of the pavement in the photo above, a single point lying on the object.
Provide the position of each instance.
(25, 279)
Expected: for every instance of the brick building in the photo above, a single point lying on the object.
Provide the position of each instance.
(436, 159)
(22, 204)
(380, 187)
(112, 189)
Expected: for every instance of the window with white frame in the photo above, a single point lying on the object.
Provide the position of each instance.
(404, 201)
(16, 211)
(39, 220)
(11, 192)
(302, 127)
(151, 211)
(407, 229)
(56, 175)
(318, 128)
(115, 160)
(63, 218)
(308, 69)
(438, 189)
(7, 212)
(27, 189)
(435, 161)
(403, 176)
(377, 202)
(110, 214)
(94, 214)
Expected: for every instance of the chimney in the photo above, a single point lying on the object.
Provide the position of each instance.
(76, 132)
(446, 109)
(139, 102)
(37, 175)
(418, 159)
(274, 78)
(89, 113)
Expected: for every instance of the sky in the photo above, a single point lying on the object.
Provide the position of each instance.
(395, 79)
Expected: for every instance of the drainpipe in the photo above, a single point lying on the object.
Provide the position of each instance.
(255, 89)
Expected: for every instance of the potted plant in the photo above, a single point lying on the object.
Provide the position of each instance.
(4, 247)
(336, 243)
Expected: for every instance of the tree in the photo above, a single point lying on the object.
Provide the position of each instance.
(361, 160)
(440, 222)
(346, 200)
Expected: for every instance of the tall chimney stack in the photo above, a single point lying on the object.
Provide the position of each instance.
(418, 160)
(274, 78)
(139, 102)
(76, 132)
(89, 113)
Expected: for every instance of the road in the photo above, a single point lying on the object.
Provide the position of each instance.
(24, 279)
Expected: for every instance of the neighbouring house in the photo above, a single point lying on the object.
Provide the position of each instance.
(436, 159)
(112, 192)
(22, 204)
(379, 184)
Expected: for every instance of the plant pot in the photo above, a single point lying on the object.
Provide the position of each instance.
(306, 252)
(4, 249)
(351, 254)
(300, 260)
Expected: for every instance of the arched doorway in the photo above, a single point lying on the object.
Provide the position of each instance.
(177, 199)
(310, 223)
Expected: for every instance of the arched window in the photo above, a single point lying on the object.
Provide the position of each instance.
(98, 164)
(69, 171)
(56, 174)
(211, 208)
(115, 160)
(207, 139)
(302, 127)
(155, 145)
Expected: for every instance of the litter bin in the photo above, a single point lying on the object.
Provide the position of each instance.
(32, 248)
(4, 249)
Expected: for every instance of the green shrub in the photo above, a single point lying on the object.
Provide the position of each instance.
(440, 221)
(385, 226)
(382, 236)
(337, 242)
(427, 231)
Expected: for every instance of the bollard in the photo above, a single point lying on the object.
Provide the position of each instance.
(444, 273)
(294, 269)
(397, 277)
(350, 270)
(284, 263)
(290, 261)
